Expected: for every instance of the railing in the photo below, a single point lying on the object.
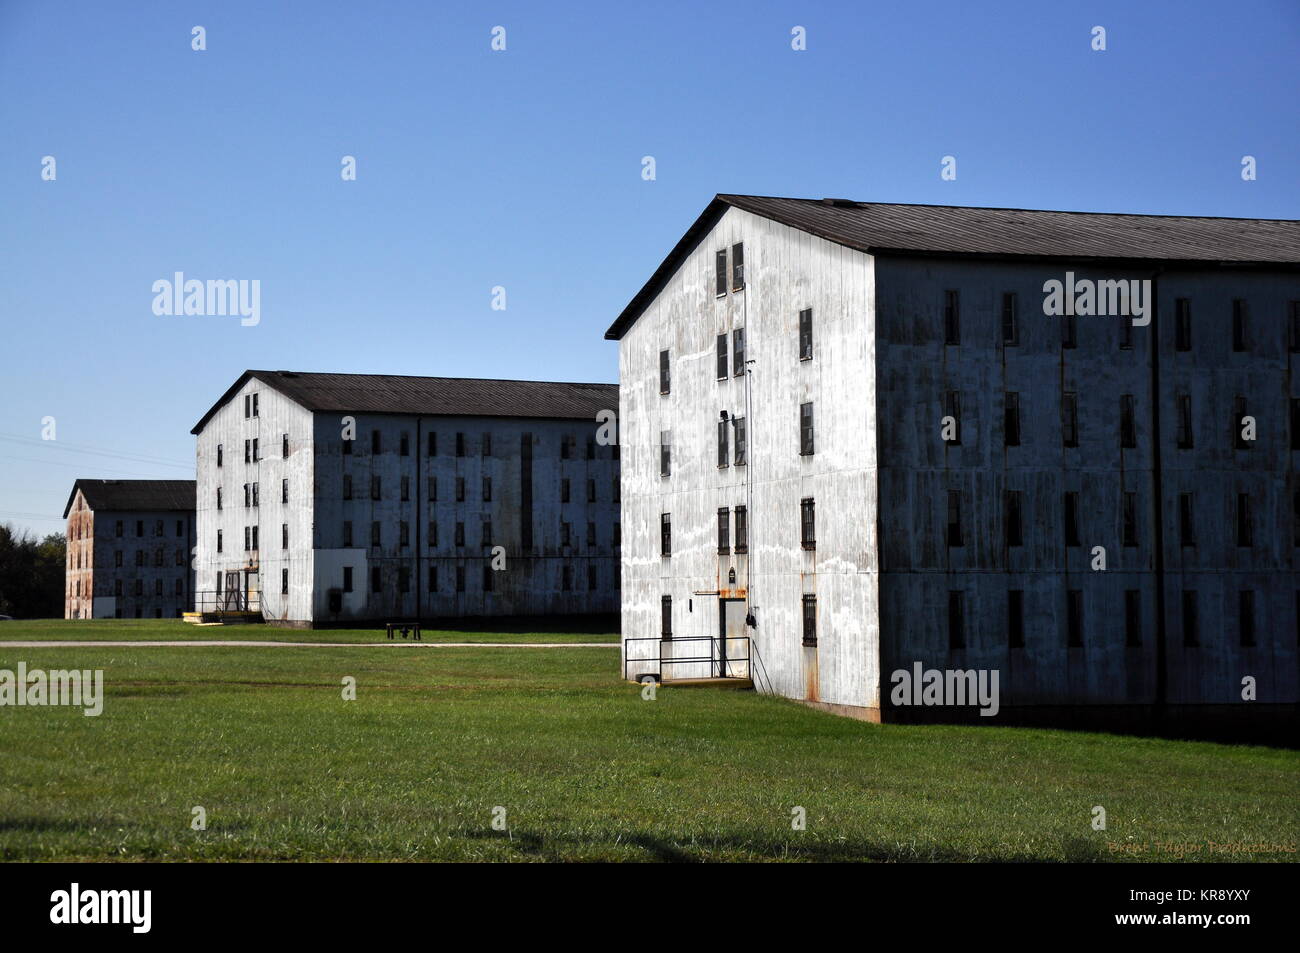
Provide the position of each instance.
(228, 600)
(728, 657)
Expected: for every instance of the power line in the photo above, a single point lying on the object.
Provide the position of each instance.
(81, 466)
(14, 514)
(76, 448)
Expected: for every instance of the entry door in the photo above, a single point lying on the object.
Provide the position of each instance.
(252, 589)
(733, 659)
(230, 596)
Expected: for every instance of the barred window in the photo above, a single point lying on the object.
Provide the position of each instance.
(807, 523)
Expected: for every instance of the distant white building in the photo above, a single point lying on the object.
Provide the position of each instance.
(326, 498)
(129, 548)
(859, 424)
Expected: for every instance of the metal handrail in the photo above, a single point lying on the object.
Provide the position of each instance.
(227, 600)
(719, 658)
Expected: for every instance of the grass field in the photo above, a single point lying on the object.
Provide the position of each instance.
(167, 630)
(585, 768)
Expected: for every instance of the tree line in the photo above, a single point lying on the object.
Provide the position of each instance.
(31, 574)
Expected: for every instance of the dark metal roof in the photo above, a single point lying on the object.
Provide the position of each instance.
(949, 230)
(431, 396)
(108, 495)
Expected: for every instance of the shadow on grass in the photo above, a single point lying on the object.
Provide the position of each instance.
(556, 847)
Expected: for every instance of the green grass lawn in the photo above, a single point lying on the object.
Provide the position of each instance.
(157, 630)
(584, 767)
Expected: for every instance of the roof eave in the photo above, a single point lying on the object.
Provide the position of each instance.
(667, 268)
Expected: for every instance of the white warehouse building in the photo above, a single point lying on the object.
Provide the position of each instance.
(863, 429)
(330, 498)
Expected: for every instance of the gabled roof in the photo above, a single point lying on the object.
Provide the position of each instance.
(430, 396)
(949, 230)
(108, 495)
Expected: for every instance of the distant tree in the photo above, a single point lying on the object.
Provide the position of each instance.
(31, 574)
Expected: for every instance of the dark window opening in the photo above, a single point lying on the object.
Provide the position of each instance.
(1191, 625)
(806, 334)
(954, 537)
(1239, 324)
(809, 619)
(1074, 617)
(1127, 422)
(808, 523)
(1010, 319)
(1182, 324)
(1132, 617)
(1246, 617)
(1069, 331)
(951, 318)
(1130, 520)
(1184, 433)
(1011, 419)
(952, 408)
(1072, 519)
(1069, 420)
(956, 619)
(1186, 517)
(1014, 523)
(806, 444)
(1016, 618)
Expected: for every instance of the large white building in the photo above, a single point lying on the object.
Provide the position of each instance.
(324, 498)
(858, 425)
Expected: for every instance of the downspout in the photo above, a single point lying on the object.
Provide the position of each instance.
(751, 548)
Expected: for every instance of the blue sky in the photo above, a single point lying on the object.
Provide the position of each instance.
(522, 169)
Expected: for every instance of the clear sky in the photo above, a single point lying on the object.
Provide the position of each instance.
(522, 168)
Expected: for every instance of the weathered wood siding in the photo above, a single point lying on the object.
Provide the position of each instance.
(786, 272)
